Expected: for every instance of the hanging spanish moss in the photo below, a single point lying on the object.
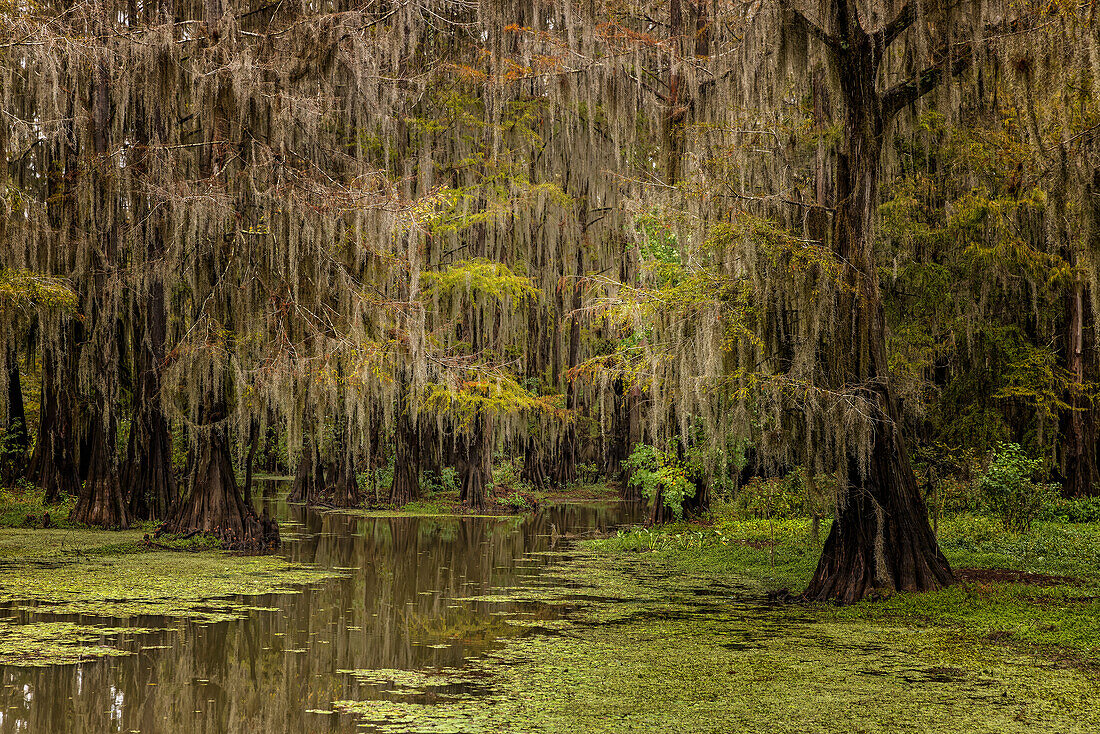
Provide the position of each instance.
(411, 238)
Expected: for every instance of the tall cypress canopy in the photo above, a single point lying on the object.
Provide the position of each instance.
(755, 235)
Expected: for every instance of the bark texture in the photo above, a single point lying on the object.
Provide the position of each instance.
(475, 462)
(881, 539)
(406, 469)
(215, 505)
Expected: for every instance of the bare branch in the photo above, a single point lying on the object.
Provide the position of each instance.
(807, 26)
(906, 93)
(901, 22)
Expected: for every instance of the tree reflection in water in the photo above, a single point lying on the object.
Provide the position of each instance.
(395, 608)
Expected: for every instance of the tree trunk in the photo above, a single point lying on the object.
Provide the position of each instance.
(214, 504)
(53, 466)
(618, 441)
(565, 459)
(17, 439)
(101, 502)
(676, 108)
(475, 462)
(344, 488)
(253, 440)
(149, 481)
(308, 477)
(1079, 422)
(659, 512)
(535, 470)
(406, 467)
(431, 448)
(881, 539)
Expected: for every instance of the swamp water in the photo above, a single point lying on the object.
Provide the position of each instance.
(441, 624)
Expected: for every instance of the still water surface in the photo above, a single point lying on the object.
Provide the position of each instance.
(397, 605)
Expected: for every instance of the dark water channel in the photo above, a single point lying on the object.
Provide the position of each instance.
(398, 605)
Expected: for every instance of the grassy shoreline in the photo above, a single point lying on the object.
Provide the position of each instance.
(1038, 591)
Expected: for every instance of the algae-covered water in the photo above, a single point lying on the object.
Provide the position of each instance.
(163, 648)
(480, 624)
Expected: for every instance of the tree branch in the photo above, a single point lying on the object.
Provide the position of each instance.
(906, 93)
(807, 26)
(901, 22)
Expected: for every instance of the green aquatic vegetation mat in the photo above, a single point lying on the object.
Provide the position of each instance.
(49, 573)
(1061, 621)
(60, 643)
(662, 648)
(170, 584)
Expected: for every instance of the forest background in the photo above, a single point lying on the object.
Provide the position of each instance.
(689, 247)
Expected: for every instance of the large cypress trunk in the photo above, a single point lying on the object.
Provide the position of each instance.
(475, 462)
(431, 448)
(214, 505)
(406, 469)
(881, 539)
(535, 470)
(308, 477)
(148, 480)
(100, 501)
(343, 486)
(53, 466)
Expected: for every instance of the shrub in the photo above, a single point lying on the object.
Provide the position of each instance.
(1082, 509)
(1008, 488)
(505, 478)
(791, 496)
(445, 481)
(657, 472)
(588, 473)
(516, 501)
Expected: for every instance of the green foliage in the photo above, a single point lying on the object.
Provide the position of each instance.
(1046, 548)
(383, 475)
(118, 574)
(24, 501)
(495, 393)
(23, 290)
(659, 475)
(794, 495)
(505, 479)
(973, 289)
(650, 539)
(11, 453)
(481, 277)
(514, 500)
(1076, 510)
(971, 531)
(432, 483)
(1009, 490)
(657, 240)
(588, 473)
